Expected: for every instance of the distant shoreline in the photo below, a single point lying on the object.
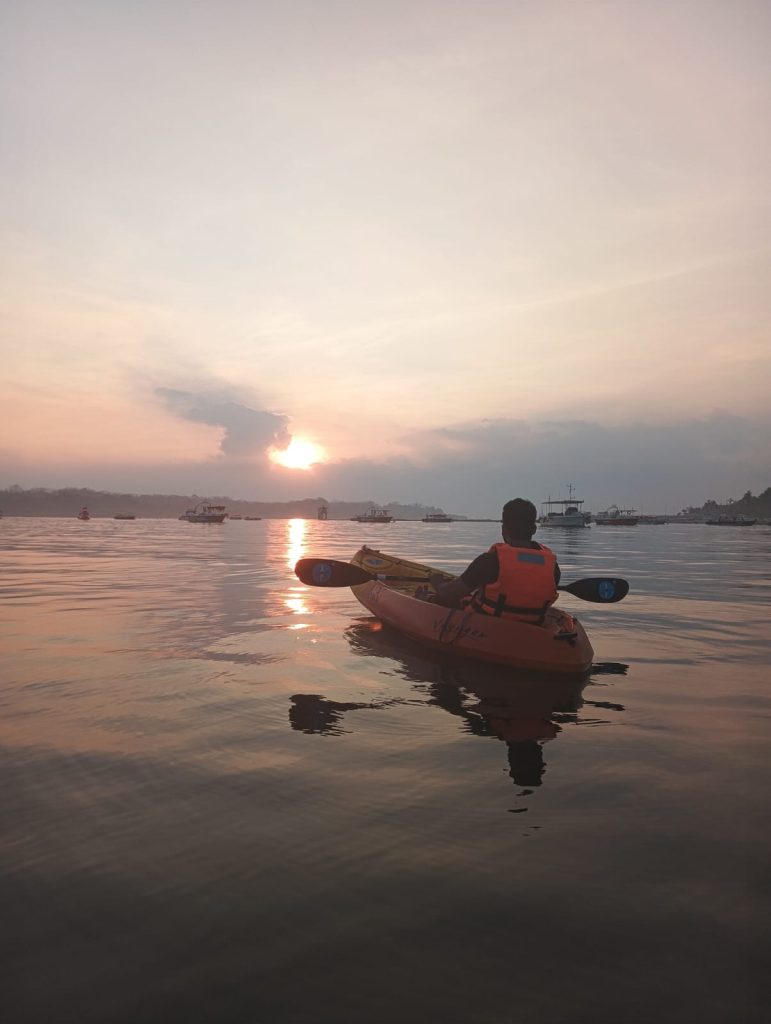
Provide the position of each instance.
(64, 503)
(312, 519)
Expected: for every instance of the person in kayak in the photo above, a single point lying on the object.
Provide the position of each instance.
(516, 579)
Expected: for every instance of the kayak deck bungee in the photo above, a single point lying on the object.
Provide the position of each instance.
(558, 645)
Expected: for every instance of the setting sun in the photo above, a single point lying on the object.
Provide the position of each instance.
(300, 454)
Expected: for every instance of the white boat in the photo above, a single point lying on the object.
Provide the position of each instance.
(204, 512)
(564, 512)
(374, 515)
(615, 516)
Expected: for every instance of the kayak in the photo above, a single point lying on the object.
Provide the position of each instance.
(559, 645)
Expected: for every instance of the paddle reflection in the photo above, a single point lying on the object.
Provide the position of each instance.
(522, 709)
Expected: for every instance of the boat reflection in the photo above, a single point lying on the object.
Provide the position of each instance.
(522, 709)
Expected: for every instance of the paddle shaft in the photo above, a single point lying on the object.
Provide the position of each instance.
(327, 572)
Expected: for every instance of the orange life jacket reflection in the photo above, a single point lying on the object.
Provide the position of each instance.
(525, 586)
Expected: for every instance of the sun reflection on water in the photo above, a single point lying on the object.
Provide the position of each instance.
(295, 540)
(297, 605)
(296, 602)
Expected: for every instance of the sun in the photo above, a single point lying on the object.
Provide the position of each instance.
(300, 454)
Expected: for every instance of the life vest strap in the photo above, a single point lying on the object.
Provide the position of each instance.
(499, 607)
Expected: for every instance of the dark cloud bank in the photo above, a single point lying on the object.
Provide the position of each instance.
(475, 467)
(469, 469)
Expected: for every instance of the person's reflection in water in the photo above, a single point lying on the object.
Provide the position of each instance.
(522, 710)
(514, 719)
(526, 761)
(526, 765)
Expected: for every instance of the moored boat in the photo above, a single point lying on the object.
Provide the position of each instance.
(560, 644)
(84, 514)
(205, 512)
(374, 515)
(737, 520)
(615, 516)
(564, 512)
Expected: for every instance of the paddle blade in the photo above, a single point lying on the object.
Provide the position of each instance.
(326, 572)
(601, 589)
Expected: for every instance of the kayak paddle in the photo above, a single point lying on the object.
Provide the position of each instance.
(601, 589)
(326, 572)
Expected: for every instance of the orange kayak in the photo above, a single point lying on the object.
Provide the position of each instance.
(559, 645)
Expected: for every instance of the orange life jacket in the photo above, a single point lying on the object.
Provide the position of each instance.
(525, 586)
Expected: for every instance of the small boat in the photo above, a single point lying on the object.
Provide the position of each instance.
(84, 514)
(234, 515)
(437, 517)
(615, 516)
(568, 512)
(204, 512)
(374, 515)
(124, 515)
(737, 520)
(559, 645)
(253, 518)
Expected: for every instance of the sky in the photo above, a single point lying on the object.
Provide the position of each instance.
(432, 251)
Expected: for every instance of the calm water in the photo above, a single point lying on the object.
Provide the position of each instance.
(231, 798)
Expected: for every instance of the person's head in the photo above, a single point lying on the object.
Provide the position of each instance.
(518, 519)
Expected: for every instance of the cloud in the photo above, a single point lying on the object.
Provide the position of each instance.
(247, 431)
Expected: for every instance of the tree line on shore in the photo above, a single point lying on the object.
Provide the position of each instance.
(67, 501)
(757, 505)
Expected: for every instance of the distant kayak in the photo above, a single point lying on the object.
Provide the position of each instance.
(559, 645)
